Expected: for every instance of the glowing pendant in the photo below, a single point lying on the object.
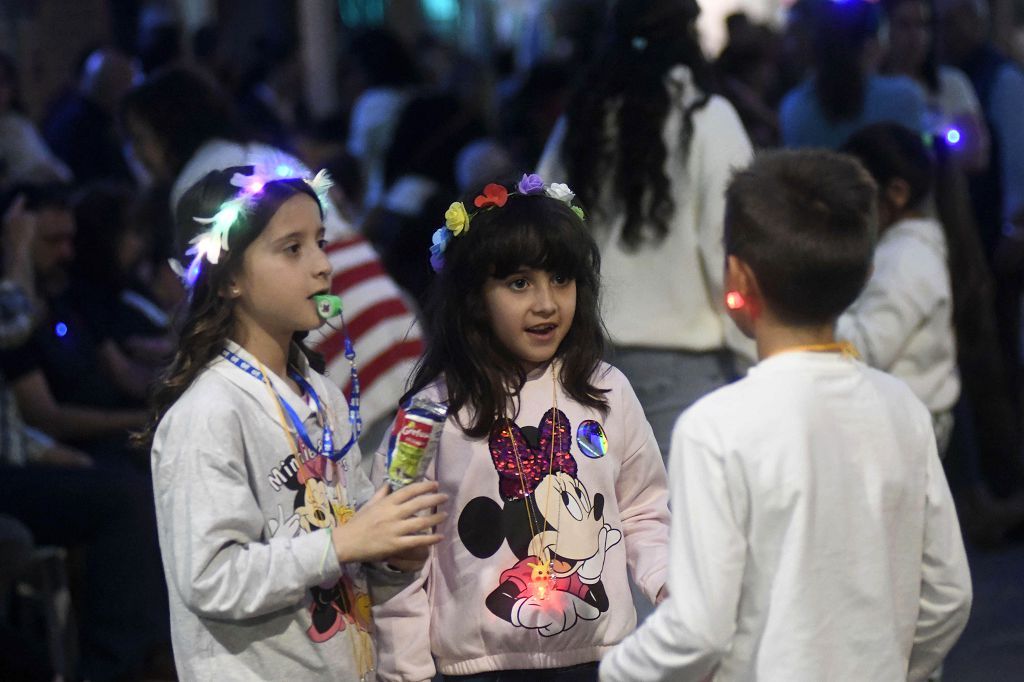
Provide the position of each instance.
(541, 578)
(327, 305)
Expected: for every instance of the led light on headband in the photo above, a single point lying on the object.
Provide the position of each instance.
(209, 244)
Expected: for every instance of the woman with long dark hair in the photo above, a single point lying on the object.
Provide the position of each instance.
(649, 151)
(844, 93)
(953, 108)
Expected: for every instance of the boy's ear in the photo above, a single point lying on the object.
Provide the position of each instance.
(739, 277)
(740, 280)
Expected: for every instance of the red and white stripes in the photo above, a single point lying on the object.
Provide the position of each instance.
(381, 323)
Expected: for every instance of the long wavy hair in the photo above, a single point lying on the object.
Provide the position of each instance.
(532, 231)
(842, 32)
(625, 88)
(929, 71)
(208, 320)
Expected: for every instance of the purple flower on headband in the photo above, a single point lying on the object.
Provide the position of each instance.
(437, 262)
(440, 242)
(531, 184)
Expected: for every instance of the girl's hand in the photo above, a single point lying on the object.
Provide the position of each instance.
(409, 561)
(388, 524)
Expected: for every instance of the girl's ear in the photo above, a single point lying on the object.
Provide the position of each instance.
(897, 195)
(743, 294)
(230, 290)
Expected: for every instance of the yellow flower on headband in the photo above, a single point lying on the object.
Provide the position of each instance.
(456, 218)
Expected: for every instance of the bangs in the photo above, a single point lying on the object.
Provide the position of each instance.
(533, 232)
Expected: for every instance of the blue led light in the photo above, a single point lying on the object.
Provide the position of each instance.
(953, 136)
(283, 170)
(60, 329)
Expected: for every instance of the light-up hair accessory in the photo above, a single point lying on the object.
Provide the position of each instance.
(209, 244)
(457, 219)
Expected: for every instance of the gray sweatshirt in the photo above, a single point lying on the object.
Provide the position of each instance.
(256, 592)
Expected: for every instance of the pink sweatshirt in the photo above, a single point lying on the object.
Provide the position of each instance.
(585, 489)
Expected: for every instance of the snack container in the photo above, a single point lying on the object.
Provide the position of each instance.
(414, 440)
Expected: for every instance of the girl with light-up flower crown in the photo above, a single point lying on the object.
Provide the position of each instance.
(557, 480)
(268, 528)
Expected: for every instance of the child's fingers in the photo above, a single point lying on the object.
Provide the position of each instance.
(412, 490)
(379, 494)
(420, 523)
(413, 541)
(416, 554)
(418, 504)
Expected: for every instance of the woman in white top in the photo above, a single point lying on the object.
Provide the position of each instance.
(649, 151)
(953, 108)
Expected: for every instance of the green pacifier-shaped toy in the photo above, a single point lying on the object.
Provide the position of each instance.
(327, 305)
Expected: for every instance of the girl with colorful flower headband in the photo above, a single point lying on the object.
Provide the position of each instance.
(269, 530)
(556, 476)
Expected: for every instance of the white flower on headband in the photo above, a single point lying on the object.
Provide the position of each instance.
(560, 191)
(209, 244)
(321, 184)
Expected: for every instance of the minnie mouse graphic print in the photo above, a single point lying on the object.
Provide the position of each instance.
(550, 513)
(553, 525)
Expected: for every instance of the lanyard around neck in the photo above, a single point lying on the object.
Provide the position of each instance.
(327, 447)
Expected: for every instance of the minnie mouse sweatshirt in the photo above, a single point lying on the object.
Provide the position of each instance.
(545, 516)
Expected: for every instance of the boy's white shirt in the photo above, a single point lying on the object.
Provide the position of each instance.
(902, 323)
(813, 535)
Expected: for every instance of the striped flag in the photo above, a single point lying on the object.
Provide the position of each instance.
(383, 328)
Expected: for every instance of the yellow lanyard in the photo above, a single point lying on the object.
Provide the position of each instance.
(844, 347)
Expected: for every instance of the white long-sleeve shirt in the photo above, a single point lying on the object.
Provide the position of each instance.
(813, 535)
(902, 323)
(669, 294)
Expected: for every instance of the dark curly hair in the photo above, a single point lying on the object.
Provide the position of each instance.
(626, 86)
(209, 318)
(533, 231)
(842, 31)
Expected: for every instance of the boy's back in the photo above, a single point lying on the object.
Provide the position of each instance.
(813, 533)
(824, 522)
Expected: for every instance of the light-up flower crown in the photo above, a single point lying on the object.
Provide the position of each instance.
(457, 219)
(209, 244)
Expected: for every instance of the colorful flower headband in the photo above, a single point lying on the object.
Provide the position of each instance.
(210, 243)
(457, 219)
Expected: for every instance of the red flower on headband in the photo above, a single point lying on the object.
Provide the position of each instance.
(494, 195)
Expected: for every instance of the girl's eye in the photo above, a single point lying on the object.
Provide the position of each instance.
(561, 280)
(292, 248)
(322, 243)
(518, 284)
